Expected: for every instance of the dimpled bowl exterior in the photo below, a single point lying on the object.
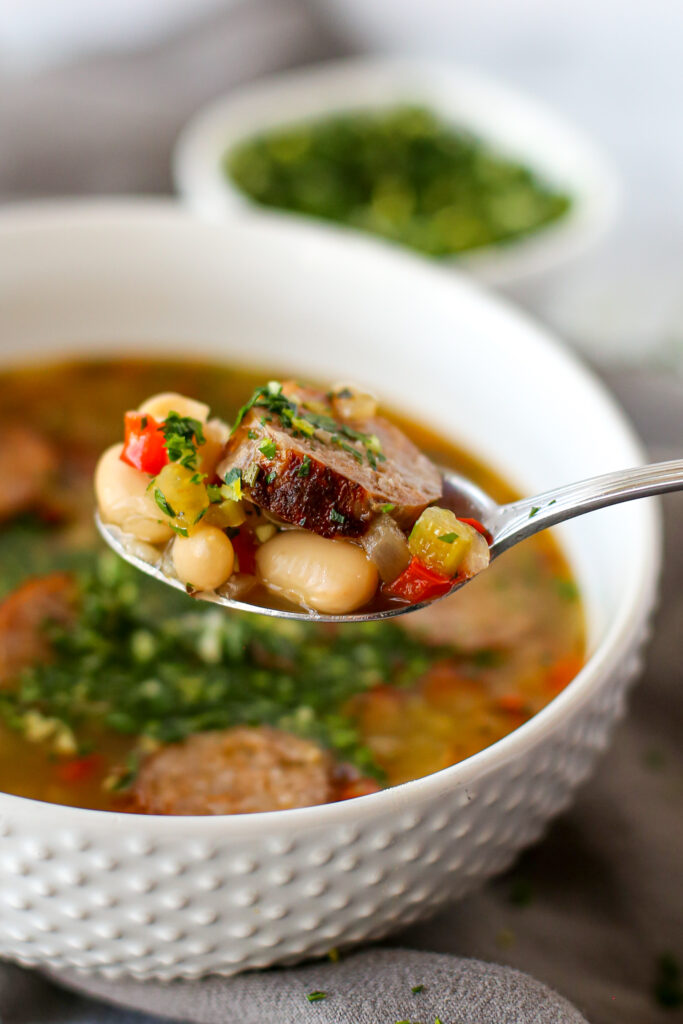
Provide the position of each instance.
(158, 902)
(159, 897)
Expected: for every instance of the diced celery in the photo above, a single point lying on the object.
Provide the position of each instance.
(181, 496)
(440, 540)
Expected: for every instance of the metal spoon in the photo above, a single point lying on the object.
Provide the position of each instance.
(508, 525)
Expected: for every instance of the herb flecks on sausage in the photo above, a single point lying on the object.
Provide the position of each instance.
(311, 468)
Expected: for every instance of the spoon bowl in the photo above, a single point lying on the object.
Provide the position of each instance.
(506, 524)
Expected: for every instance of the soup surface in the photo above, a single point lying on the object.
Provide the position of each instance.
(144, 689)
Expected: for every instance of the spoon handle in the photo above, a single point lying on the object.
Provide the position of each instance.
(520, 519)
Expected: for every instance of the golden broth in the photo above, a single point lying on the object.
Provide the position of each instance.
(517, 631)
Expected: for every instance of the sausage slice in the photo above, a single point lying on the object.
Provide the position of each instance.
(234, 771)
(313, 469)
(27, 462)
(23, 617)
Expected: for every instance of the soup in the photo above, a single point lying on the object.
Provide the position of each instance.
(310, 499)
(149, 701)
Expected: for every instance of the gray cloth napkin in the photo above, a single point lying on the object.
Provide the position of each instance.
(371, 987)
(591, 909)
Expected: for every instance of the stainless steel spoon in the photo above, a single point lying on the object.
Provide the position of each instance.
(507, 524)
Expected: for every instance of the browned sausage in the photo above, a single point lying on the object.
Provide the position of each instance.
(23, 615)
(27, 462)
(234, 771)
(328, 483)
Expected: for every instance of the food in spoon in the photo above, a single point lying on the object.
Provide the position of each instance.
(311, 494)
(107, 678)
(401, 173)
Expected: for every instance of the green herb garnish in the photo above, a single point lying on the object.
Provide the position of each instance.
(337, 517)
(305, 467)
(448, 538)
(182, 435)
(268, 448)
(417, 989)
(163, 504)
(209, 670)
(534, 511)
(400, 172)
(314, 997)
(387, 507)
(298, 418)
(271, 476)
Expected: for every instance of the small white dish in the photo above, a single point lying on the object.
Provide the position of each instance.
(516, 125)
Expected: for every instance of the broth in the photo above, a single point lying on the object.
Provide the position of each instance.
(398, 702)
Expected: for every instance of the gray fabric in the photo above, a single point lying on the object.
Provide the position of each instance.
(365, 988)
(589, 909)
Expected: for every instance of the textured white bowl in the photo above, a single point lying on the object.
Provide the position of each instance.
(516, 124)
(180, 897)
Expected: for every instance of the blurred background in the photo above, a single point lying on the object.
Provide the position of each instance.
(93, 96)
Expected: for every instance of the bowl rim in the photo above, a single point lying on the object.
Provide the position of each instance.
(596, 189)
(638, 598)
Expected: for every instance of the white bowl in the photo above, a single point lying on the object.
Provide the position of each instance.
(180, 897)
(515, 124)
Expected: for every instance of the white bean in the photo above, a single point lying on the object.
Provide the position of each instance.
(204, 560)
(331, 576)
(159, 406)
(217, 435)
(124, 501)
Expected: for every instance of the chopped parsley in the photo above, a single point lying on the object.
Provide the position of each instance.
(314, 997)
(567, 589)
(163, 504)
(448, 538)
(268, 448)
(416, 989)
(387, 507)
(337, 517)
(305, 467)
(297, 417)
(182, 435)
(203, 669)
(252, 435)
(534, 511)
(271, 476)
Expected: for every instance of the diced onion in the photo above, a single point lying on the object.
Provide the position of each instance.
(385, 544)
(477, 558)
(353, 405)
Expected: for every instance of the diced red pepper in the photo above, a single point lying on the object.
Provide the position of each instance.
(419, 583)
(562, 672)
(245, 549)
(479, 527)
(143, 446)
(78, 769)
(358, 787)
